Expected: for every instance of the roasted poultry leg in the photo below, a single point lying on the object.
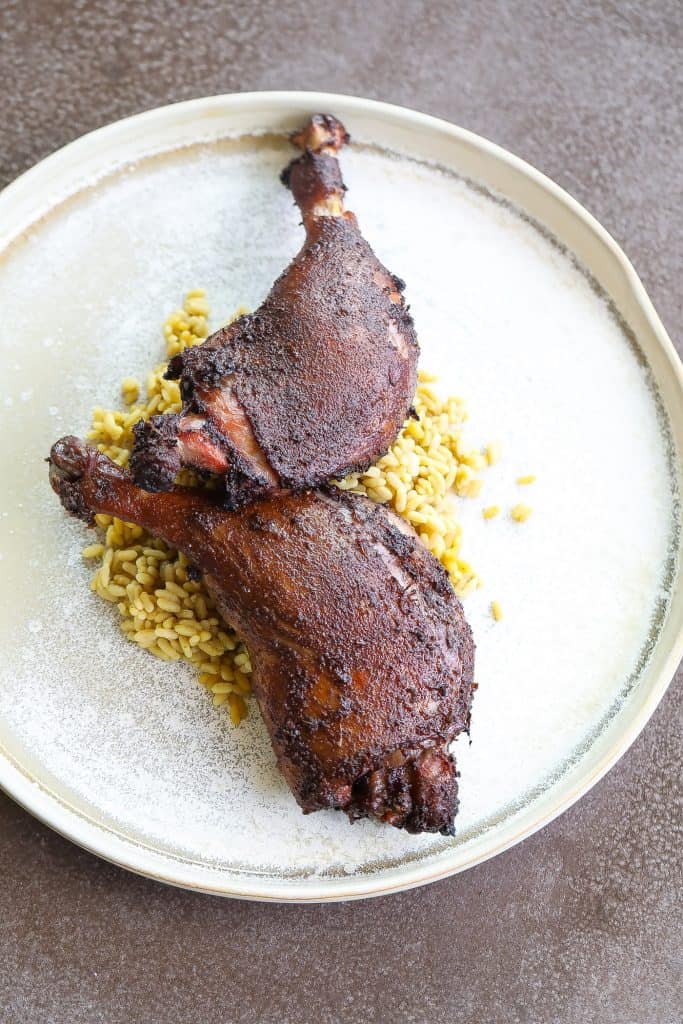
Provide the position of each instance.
(317, 382)
(362, 658)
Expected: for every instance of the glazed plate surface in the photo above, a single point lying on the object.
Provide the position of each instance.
(524, 306)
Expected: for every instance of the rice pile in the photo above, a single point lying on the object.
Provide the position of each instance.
(428, 460)
(161, 609)
(165, 612)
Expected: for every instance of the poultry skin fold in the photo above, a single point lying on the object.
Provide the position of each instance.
(362, 658)
(317, 382)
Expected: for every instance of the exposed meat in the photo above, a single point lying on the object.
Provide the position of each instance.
(362, 658)
(318, 381)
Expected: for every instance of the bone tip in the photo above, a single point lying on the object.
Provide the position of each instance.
(67, 459)
(324, 133)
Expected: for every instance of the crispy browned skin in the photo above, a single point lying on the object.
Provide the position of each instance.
(318, 381)
(361, 654)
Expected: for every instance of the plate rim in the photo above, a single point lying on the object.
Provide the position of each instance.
(125, 852)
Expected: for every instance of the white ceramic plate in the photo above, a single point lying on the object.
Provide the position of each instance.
(508, 279)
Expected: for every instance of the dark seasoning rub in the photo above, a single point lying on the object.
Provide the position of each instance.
(313, 385)
(363, 674)
(362, 658)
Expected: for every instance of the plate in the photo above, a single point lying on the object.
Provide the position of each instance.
(524, 305)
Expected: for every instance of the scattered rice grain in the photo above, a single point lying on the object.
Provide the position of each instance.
(494, 451)
(520, 513)
(93, 551)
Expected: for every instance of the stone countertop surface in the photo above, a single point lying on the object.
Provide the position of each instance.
(583, 921)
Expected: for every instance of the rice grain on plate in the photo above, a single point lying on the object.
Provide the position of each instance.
(171, 615)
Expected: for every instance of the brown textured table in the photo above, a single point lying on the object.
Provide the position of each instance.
(583, 921)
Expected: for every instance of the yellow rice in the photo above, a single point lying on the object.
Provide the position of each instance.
(160, 608)
(520, 513)
(427, 462)
(172, 616)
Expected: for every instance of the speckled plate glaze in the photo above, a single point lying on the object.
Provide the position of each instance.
(524, 305)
